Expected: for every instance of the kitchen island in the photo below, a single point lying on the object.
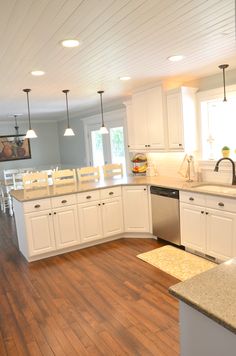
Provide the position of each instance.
(208, 312)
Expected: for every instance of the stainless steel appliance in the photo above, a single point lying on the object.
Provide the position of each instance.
(165, 214)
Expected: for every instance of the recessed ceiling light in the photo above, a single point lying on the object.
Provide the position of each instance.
(37, 73)
(125, 78)
(70, 43)
(175, 58)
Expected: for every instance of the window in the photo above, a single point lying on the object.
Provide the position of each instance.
(218, 126)
(104, 149)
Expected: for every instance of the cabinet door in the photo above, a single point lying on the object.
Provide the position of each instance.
(221, 232)
(155, 121)
(40, 234)
(66, 226)
(193, 227)
(112, 216)
(90, 219)
(175, 121)
(139, 117)
(136, 209)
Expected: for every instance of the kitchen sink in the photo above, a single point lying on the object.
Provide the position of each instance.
(214, 188)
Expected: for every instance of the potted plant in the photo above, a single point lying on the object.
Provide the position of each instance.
(225, 151)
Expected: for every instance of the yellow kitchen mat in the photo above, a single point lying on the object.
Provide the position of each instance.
(176, 262)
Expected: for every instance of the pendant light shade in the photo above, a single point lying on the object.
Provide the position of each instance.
(68, 131)
(103, 130)
(30, 133)
(223, 67)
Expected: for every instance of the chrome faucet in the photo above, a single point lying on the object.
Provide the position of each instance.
(233, 168)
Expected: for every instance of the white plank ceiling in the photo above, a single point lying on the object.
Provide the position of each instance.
(118, 37)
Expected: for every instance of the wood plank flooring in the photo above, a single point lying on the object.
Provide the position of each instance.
(101, 300)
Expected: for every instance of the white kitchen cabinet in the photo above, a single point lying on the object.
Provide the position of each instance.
(181, 119)
(221, 233)
(66, 227)
(40, 232)
(112, 216)
(90, 219)
(145, 120)
(193, 227)
(136, 209)
(207, 230)
(103, 216)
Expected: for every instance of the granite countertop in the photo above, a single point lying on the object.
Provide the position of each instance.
(212, 293)
(161, 181)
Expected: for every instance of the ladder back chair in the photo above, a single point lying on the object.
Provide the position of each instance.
(88, 174)
(112, 170)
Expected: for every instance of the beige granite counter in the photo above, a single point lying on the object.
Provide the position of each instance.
(22, 195)
(161, 181)
(212, 293)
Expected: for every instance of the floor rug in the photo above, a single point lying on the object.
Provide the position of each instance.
(176, 262)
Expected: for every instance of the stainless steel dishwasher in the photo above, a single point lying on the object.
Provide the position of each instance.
(165, 214)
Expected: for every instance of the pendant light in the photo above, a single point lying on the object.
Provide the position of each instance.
(223, 67)
(68, 131)
(30, 133)
(103, 130)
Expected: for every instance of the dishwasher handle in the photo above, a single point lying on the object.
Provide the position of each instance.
(165, 192)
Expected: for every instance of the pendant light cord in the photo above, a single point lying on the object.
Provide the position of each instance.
(66, 91)
(27, 93)
(223, 67)
(101, 92)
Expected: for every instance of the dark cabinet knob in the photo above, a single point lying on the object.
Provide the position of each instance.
(180, 145)
(103, 203)
(207, 213)
(54, 213)
(221, 204)
(145, 189)
(37, 206)
(64, 201)
(88, 197)
(99, 204)
(111, 193)
(191, 199)
(50, 214)
(202, 212)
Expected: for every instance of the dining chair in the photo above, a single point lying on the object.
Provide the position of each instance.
(17, 180)
(64, 176)
(88, 174)
(8, 178)
(112, 170)
(35, 180)
(5, 201)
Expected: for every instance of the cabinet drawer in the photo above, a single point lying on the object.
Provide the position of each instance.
(37, 205)
(110, 192)
(221, 203)
(88, 196)
(63, 200)
(192, 198)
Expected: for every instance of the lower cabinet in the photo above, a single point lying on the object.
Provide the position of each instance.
(207, 230)
(49, 230)
(100, 219)
(40, 232)
(136, 208)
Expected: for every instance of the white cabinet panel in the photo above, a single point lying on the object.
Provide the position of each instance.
(66, 226)
(136, 209)
(193, 229)
(221, 233)
(175, 121)
(112, 217)
(40, 234)
(90, 219)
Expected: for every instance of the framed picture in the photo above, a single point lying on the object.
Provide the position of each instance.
(14, 147)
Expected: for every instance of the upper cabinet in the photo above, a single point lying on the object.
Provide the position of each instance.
(181, 119)
(145, 121)
(158, 121)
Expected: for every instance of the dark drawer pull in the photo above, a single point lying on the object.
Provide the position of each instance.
(202, 212)
(221, 204)
(191, 199)
(37, 206)
(64, 201)
(111, 193)
(180, 144)
(88, 197)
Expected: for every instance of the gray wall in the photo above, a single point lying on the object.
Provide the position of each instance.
(72, 148)
(44, 148)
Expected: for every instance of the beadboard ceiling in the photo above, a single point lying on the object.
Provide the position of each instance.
(118, 38)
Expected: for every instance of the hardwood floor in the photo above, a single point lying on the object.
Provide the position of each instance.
(101, 300)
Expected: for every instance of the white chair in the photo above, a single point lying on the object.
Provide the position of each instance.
(5, 201)
(112, 170)
(88, 174)
(17, 181)
(35, 180)
(65, 176)
(8, 178)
